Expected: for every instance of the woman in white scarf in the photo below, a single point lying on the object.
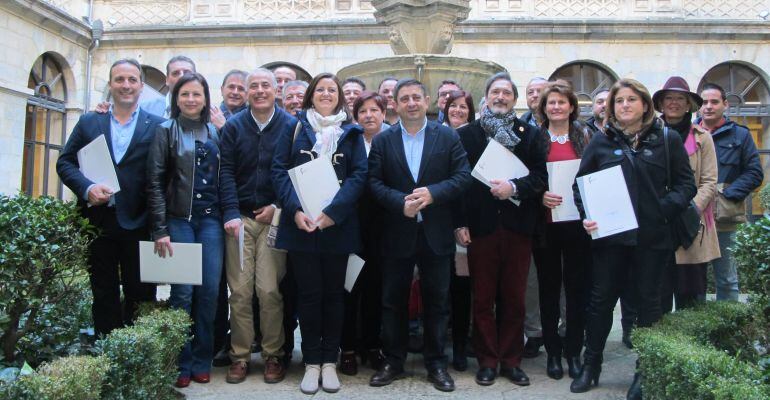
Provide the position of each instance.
(318, 249)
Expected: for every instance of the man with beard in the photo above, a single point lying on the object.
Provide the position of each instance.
(599, 111)
(121, 217)
(498, 233)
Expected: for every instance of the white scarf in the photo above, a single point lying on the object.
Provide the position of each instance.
(327, 131)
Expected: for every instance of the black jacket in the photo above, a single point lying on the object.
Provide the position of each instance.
(654, 207)
(247, 159)
(130, 201)
(443, 170)
(738, 160)
(171, 174)
(478, 209)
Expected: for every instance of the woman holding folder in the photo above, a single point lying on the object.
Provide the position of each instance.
(562, 251)
(634, 140)
(183, 193)
(319, 248)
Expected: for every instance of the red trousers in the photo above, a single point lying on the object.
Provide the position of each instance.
(499, 265)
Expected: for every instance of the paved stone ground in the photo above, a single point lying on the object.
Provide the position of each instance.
(617, 374)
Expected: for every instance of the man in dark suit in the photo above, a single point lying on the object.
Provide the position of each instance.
(416, 169)
(120, 217)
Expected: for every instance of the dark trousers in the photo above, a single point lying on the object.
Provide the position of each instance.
(460, 290)
(321, 304)
(685, 284)
(563, 260)
(610, 269)
(499, 265)
(288, 288)
(397, 276)
(364, 306)
(114, 261)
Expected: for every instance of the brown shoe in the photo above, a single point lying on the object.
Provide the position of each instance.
(274, 370)
(237, 372)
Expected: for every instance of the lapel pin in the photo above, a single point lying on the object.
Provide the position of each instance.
(521, 129)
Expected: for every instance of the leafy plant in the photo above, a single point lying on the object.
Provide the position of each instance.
(43, 257)
(77, 377)
(143, 356)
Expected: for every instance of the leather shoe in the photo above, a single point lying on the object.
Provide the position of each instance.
(532, 347)
(486, 376)
(237, 372)
(553, 368)
(386, 375)
(182, 382)
(516, 375)
(574, 366)
(441, 380)
(349, 364)
(202, 378)
(274, 370)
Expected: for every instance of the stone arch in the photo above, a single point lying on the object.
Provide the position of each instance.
(302, 73)
(68, 77)
(586, 76)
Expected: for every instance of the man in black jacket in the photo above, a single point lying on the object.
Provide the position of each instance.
(121, 217)
(498, 233)
(417, 168)
(739, 173)
(248, 202)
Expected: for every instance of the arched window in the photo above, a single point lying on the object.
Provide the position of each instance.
(748, 95)
(45, 128)
(302, 74)
(587, 78)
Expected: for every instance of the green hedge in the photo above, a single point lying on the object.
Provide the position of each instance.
(143, 356)
(709, 352)
(77, 377)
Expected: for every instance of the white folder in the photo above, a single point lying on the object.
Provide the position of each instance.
(316, 185)
(561, 176)
(96, 164)
(184, 268)
(355, 265)
(497, 162)
(606, 201)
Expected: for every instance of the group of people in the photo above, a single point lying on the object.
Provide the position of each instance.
(193, 172)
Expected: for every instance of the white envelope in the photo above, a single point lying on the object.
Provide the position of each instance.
(606, 201)
(561, 176)
(355, 265)
(496, 162)
(96, 164)
(184, 268)
(316, 185)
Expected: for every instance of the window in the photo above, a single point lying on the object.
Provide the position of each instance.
(587, 79)
(45, 128)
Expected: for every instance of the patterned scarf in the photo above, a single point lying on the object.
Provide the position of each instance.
(327, 131)
(499, 126)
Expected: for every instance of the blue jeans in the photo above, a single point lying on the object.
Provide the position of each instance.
(725, 273)
(196, 355)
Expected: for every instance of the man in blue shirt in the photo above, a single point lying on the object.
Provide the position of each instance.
(417, 168)
(119, 215)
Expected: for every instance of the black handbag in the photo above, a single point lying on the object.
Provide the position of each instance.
(687, 225)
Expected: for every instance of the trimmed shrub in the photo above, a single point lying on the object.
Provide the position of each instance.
(143, 356)
(76, 378)
(752, 253)
(43, 257)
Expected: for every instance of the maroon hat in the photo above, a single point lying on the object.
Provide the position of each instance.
(676, 84)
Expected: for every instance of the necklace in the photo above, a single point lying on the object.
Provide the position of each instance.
(561, 139)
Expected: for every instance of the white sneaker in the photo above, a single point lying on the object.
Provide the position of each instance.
(309, 384)
(329, 380)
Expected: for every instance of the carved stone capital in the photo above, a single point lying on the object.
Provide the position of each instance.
(421, 26)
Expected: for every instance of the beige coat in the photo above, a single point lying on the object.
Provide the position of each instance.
(704, 165)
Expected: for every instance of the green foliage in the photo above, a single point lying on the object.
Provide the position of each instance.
(143, 356)
(76, 378)
(713, 351)
(752, 254)
(43, 257)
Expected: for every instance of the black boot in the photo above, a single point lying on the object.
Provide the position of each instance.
(635, 391)
(574, 366)
(589, 376)
(553, 367)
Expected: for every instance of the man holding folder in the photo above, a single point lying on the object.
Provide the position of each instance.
(498, 232)
(120, 216)
(417, 168)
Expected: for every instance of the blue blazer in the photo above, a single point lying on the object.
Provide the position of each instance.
(344, 236)
(443, 170)
(131, 200)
